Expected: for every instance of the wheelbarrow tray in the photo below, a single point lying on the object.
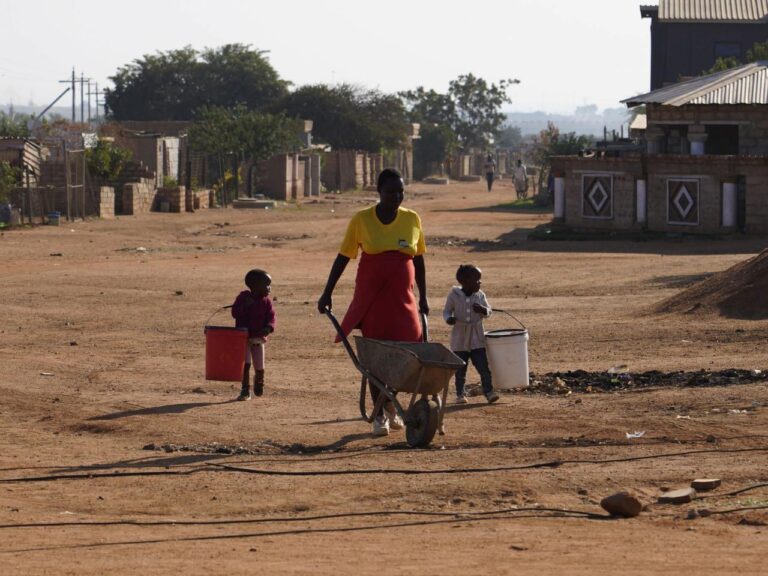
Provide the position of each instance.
(413, 367)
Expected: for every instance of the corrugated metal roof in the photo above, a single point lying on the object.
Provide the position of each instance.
(746, 84)
(713, 10)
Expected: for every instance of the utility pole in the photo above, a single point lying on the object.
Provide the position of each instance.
(97, 113)
(83, 79)
(74, 92)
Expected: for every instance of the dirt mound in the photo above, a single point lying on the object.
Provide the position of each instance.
(739, 292)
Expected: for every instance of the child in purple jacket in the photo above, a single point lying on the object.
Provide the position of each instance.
(253, 309)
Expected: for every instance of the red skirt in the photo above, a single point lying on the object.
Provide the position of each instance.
(384, 306)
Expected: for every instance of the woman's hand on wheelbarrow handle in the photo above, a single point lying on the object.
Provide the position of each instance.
(324, 303)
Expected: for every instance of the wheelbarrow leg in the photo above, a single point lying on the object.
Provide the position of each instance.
(363, 390)
(441, 402)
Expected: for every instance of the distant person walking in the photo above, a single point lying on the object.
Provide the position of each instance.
(490, 171)
(520, 176)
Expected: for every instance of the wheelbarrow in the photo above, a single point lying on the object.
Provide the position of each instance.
(421, 369)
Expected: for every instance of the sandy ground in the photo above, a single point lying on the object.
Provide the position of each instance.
(102, 354)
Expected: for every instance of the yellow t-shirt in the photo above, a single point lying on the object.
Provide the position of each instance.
(366, 232)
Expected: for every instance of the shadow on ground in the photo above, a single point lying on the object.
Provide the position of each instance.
(155, 410)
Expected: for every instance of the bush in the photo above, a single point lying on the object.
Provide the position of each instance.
(106, 160)
(9, 179)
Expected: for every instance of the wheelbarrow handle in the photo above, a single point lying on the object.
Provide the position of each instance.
(424, 327)
(343, 338)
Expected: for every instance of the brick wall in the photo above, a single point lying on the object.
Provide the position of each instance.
(175, 197)
(708, 172)
(621, 172)
(106, 206)
(752, 121)
(275, 177)
(136, 197)
(201, 199)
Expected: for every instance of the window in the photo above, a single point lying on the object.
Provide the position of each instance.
(722, 139)
(727, 50)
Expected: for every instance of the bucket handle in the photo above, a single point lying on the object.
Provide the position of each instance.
(510, 315)
(216, 312)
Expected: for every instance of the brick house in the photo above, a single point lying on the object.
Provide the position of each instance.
(704, 169)
(688, 36)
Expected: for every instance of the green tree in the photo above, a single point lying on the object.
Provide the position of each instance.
(233, 135)
(550, 142)
(759, 51)
(106, 160)
(435, 143)
(9, 179)
(478, 104)
(172, 85)
(471, 108)
(13, 126)
(244, 133)
(348, 117)
(509, 137)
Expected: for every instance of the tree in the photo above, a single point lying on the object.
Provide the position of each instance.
(9, 179)
(106, 160)
(550, 142)
(759, 51)
(346, 116)
(509, 137)
(172, 85)
(471, 108)
(435, 143)
(237, 134)
(13, 126)
(243, 133)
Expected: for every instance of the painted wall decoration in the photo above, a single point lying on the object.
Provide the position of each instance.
(597, 196)
(683, 201)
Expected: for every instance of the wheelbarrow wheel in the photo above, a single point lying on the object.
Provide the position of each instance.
(421, 423)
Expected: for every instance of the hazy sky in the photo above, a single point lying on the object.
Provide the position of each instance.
(567, 53)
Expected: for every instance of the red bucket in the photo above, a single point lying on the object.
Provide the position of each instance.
(225, 353)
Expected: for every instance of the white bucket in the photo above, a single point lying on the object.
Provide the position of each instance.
(508, 356)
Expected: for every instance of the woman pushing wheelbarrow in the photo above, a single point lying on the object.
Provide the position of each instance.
(384, 305)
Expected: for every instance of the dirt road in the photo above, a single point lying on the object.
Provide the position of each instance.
(111, 439)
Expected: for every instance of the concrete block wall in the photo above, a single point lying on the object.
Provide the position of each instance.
(106, 206)
(623, 173)
(753, 139)
(275, 177)
(176, 198)
(137, 197)
(756, 197)
(342, 170)
(709, 171)
(752, 122)
(201, 199)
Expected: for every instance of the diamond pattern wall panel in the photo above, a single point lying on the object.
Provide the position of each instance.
(597, 196)
(683, 202)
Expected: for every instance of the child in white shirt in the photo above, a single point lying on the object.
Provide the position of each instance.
(465, 309)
